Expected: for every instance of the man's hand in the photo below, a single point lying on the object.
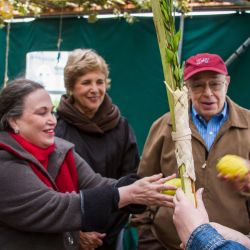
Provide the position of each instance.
(238, 183)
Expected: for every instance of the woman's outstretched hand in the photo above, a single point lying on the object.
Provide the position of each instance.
(147, 191)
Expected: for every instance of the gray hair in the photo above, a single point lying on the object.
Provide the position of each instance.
(81, 62)
(12, 100)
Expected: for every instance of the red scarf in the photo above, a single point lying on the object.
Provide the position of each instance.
(66, 179)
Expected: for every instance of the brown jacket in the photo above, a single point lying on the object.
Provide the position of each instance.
(224, 205)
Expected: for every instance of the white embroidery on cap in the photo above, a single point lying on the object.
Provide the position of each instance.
(202, 60)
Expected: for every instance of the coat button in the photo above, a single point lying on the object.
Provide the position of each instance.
(70, 240)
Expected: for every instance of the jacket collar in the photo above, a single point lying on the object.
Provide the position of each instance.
(8, 143)
(237, 117)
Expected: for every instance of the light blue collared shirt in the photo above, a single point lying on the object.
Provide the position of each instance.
(209, 130)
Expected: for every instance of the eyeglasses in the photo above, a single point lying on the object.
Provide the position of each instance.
(200, 87)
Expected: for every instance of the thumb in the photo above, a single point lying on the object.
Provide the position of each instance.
(182, 246)
(102, 236)
(199, 193)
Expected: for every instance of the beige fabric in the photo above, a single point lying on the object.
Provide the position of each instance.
(224, 205)
(182, 136)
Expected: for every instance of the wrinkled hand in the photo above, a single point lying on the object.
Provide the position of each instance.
(147, 191)
(238, 183)
(90, 240)
(186, 217)
(231, 234)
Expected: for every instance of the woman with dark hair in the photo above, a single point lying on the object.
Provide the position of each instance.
(48, 193)
(88, 118)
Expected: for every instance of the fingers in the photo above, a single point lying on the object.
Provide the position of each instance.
(199, 193)
(237, 182)
(199, 200)
(163, 180)
(165, 204)
(182, 246)
(157, 178)
(91, 240)
(153, 178)
(175, 200)
(100, 236)
(169, 204)
(222, 177)
(180, 194)
(162, 200)
(163, 187)
(98, 243)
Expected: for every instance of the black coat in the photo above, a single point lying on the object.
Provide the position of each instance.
(113, 154)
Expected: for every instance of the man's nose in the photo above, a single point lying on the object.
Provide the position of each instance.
(207, 90)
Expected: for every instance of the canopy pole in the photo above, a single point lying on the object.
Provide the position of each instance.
(181, 28)
(6, 78)
(237, 52)
(59, 40)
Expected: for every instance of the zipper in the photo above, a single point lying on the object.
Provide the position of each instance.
(205, 163)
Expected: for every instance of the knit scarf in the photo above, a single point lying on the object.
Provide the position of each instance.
(66, 179)
(105, 119)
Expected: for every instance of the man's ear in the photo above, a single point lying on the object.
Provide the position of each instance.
(228, 78)
(188, 88)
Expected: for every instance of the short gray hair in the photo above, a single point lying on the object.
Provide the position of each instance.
(81, 62)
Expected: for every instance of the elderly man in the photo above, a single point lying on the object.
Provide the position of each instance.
(219, 126)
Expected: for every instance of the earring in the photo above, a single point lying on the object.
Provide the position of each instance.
(16, 131)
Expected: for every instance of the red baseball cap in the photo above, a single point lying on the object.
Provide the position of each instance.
(204, 62)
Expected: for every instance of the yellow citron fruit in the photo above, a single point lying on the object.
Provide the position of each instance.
(232, 166)
(173, 182)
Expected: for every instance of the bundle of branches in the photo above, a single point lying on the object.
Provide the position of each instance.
(168, 40)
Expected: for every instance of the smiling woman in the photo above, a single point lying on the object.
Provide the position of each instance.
(48, 193)
(89, 92)
(88, 118)
(37, 122)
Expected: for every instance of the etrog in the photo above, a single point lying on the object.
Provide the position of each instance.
(232, 166)
(173, 182)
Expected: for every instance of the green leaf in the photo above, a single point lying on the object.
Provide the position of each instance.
(176, 74)
(177, 37)
(169, 40)
(165, 14)
(170, 55)
(176, 63)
